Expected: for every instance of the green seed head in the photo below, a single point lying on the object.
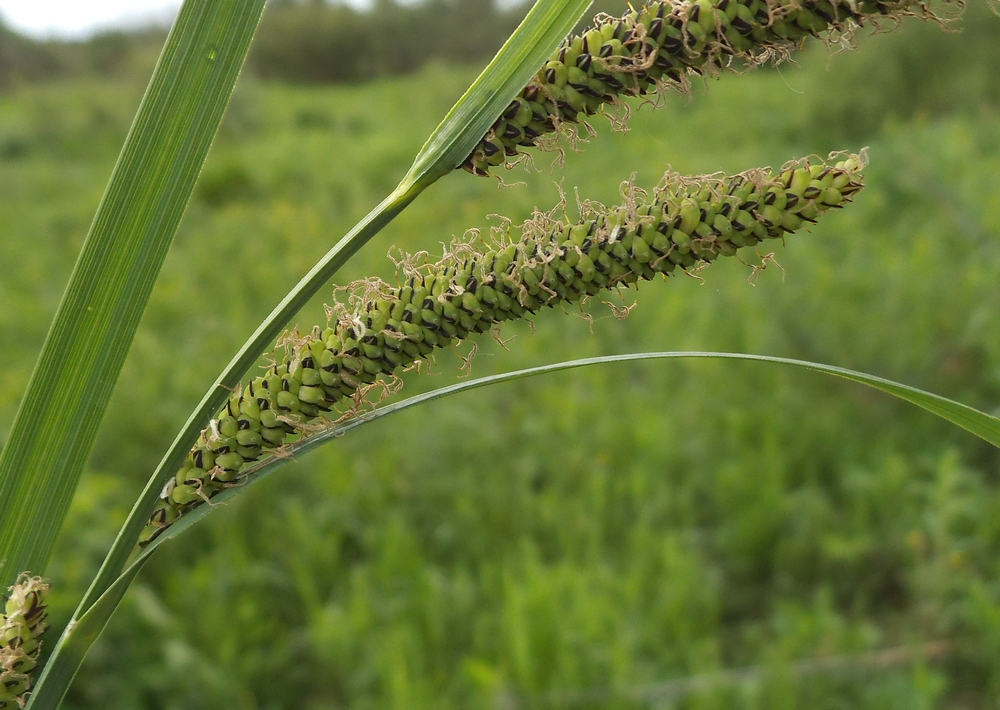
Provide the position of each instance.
(23, 623)
(684, 223)
(659, 46)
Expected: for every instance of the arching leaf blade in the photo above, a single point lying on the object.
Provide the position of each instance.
(976, 422)
(972, 420)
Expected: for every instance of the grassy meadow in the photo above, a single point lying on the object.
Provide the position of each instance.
(686, 534)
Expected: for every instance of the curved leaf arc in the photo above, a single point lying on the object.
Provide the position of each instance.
(89, 625)
(983, 425)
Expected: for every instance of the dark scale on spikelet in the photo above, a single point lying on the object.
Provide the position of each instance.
(684, 224)
(22, 624)
(658, 47)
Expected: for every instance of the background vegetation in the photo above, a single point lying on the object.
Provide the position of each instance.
(579, 540)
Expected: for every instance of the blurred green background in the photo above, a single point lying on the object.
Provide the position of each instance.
(619, 537)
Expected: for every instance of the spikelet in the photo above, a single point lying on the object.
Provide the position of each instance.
(23, 624)
(685, 223)
(660, 46)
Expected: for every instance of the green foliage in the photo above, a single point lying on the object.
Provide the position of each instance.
(922, 71)
(600, 529)
(112, 53)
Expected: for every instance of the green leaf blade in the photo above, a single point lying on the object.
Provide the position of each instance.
(979, 423)
(972, 420)
(85, 349)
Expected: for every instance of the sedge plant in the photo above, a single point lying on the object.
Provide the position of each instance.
(538, 92)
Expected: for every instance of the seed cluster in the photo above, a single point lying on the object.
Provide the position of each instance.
(23, 622)
(686, 222)
(661, 45)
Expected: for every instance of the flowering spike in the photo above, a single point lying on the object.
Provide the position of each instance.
(659, 46)
(23, 623)
(685, 223)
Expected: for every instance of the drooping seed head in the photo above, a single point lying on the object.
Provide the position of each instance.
(23, 623)
(659, 47)
(683, 224)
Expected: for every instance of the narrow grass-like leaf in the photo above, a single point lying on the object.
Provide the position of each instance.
(82, 357)
(979, 423)
(548, 22)
(89, 624)
(135, 223)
